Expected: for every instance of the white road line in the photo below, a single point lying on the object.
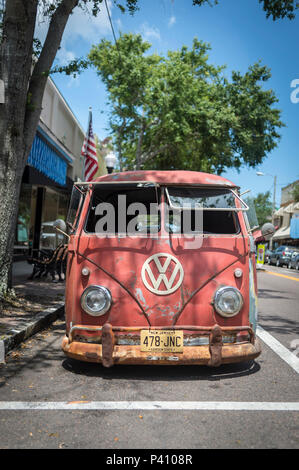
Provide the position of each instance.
(152, 405)
(278, 348)
(2, 352)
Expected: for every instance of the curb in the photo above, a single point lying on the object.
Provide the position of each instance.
(14, 337)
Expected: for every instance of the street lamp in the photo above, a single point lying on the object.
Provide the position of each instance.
(260, 173)
(110, 161)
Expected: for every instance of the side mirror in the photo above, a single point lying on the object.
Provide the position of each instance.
(60, 225)
(267, 230)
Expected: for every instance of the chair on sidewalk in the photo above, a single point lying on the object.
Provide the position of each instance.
(49, 263)
(62, 262)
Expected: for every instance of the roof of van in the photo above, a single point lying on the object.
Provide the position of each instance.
(168, 177)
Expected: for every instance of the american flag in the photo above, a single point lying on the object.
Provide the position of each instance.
(89, 151)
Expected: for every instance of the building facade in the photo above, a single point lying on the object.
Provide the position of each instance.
(287, 218)
(54, 163)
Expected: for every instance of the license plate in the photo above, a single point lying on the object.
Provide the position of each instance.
(161, 340)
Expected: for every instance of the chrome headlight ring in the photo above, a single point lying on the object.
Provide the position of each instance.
(96, 300)
(228, 301)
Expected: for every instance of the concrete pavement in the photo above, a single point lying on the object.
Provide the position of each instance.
(44, 303)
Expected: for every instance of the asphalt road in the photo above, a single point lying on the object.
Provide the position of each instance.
(39, 373)
(279, 303)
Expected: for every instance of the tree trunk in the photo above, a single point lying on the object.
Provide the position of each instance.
(20, 112)
(10, 183)
(15, 69)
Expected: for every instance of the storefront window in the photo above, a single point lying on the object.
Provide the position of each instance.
(39, 207)
(23, 223)
(63, 204)
(54, 207)
(26, 219)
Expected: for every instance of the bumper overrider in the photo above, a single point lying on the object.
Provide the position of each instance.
(107, 352)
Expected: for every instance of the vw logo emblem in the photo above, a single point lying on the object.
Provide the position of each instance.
(162, 274)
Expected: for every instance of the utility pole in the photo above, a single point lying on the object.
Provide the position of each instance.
(260, 173)
(273, 209)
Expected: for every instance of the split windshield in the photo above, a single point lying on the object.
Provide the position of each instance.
(135, 209)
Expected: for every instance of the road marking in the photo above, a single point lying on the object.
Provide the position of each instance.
(2, 352)
(278, 348)
(282, 275)
(152, 405)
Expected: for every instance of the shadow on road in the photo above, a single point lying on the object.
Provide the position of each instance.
(279, 324)
(274, 294)
(161, 373)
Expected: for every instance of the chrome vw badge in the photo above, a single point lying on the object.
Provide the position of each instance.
(162, 274)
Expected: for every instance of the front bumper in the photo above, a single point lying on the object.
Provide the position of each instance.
(214, 353)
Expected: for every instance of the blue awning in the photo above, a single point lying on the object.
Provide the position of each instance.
(294, 227)
(46, 160)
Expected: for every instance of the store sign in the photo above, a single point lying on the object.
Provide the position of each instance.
(260, 254)
(47, 161)
(294, 227)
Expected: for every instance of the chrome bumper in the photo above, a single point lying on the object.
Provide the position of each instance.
(215, 353)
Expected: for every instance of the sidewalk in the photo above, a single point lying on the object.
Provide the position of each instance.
(39, 303)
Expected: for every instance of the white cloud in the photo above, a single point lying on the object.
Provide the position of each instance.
(150, 32)
(172, 21)
(118, 23)
(64, 56)
(82, 25)
(74, 81)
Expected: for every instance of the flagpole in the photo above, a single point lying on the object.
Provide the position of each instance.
(84, 158)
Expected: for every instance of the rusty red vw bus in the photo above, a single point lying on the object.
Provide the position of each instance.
(161, 270)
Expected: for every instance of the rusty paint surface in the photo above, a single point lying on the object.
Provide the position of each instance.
(108, 342)
(168, 177)
(132, 355)
(215, 346)
(110, 352)
(117, 264)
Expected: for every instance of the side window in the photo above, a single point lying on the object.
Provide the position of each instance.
(75, 207)
(250, 215)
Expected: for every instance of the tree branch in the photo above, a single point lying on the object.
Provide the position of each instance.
(149, 155)
(43, 65)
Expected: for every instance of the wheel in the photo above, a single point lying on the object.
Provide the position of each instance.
(277, 262)
(290, 265)
(268, 261)
(297, 266)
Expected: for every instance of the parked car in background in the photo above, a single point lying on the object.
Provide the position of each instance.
(49, 237)
(281, 256)
(268, 253)
(294, 261)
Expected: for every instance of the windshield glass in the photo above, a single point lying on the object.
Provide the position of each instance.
(133, 210)
(218, 217)
(207, 198)
(123, 210)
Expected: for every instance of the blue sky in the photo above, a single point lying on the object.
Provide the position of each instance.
(239, 35)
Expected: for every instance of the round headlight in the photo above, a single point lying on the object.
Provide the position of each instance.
(228, 301)
(96, 300)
